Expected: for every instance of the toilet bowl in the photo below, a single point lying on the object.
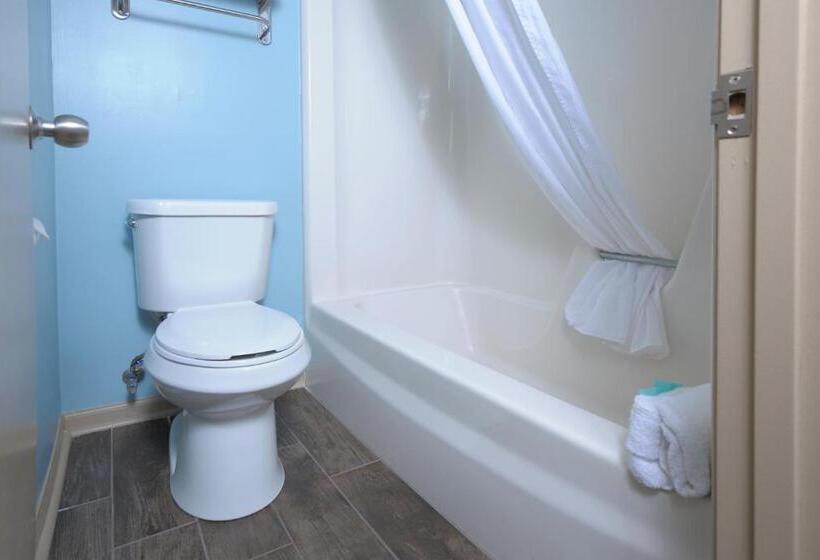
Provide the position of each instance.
(224, 365)
(217, 354)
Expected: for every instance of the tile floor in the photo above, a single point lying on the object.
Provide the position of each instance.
(339, 502)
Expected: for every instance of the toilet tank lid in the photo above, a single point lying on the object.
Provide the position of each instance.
(181, 207)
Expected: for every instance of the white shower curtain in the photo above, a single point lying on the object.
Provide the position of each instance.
(528, 80)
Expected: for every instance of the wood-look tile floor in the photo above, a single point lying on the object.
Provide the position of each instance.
(339, 502)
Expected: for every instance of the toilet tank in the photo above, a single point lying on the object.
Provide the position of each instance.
(200, 252)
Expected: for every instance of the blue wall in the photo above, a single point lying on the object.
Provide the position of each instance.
(182, 104)
(45, 253)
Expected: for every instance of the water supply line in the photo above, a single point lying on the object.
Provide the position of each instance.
(134, 374)
(136, 371)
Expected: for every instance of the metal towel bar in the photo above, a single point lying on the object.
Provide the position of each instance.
(121, 9)
(640, 259)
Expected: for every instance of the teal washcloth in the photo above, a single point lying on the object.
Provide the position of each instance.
(660, 387)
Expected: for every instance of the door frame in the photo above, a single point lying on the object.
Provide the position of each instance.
(767, 308)
(787, 274)
(734, 304)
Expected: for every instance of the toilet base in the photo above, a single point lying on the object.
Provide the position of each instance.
(226, 468)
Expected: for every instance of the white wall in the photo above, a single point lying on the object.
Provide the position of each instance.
(646, 70)
(427, 187)
(399, 216)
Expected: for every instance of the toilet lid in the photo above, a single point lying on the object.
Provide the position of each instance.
(227, 331)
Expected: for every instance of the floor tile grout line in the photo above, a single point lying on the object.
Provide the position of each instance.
(350, 470)
(152, 535)
(88, 503)
(366, 522)
(281, 419)
(287, 531)
(202, 539)
(299, 441)
(339, 490)
(261, 554)
(277, 549)
(349, 503)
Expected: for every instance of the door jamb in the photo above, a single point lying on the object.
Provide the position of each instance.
(734, 303)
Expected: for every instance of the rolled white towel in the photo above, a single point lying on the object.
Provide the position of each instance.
(644, 444)
(669, 440)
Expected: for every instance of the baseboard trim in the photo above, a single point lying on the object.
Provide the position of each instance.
(102, 418)
(49, 499)
(301, 382)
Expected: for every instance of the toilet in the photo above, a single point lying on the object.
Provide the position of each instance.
(217, 354)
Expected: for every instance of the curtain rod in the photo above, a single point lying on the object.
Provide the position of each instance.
(639, 259)
(121, 9)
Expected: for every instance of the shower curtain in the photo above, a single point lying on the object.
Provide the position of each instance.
(528, 81)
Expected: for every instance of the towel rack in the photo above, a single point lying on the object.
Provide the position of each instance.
(121, 9)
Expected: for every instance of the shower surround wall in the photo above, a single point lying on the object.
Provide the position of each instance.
(182, 104)
(410, 96)
(427, 188)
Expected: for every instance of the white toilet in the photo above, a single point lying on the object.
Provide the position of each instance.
(218, 355)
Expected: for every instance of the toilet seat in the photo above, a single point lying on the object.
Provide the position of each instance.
(227, 349)
(234, 363)
(228, 376)
(229, 332)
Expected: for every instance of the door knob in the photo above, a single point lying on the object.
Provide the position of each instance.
(67, 130)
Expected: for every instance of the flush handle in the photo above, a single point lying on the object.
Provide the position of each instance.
(70, 131)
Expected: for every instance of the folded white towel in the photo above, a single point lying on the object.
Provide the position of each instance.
(669, 440)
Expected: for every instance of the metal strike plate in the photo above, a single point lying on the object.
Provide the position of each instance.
(733, 104)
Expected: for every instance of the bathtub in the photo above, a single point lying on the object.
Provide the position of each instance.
(451, 386)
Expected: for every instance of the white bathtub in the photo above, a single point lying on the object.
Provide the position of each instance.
(451, 386)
